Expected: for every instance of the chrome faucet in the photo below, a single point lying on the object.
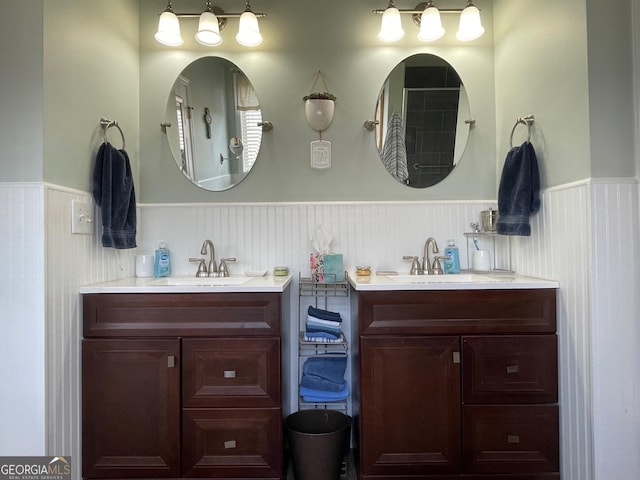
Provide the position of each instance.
(211, 270)
(429, 268)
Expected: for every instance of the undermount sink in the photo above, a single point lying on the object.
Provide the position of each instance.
(198, 281)
(446, 278)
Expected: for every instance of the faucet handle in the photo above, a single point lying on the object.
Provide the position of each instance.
(415, 264)
(202, 269)
(437, 267)
(223, 271)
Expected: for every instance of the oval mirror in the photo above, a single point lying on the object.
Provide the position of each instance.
(214, 115)
(421, 131)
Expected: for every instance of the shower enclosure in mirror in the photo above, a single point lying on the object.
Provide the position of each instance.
(214, 116)
(422, 114)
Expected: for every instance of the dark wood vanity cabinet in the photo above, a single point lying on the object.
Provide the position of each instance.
(457, 384)
(181, 385)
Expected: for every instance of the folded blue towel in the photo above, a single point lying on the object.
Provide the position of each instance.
(324, 314)
(322, 384)
(320, 321)
(331, 368)
(321, 334)
(311, 395)
(518, 193)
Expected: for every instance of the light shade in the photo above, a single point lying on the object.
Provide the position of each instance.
(249, 30)
(430, 25)
(391, 27)
(208, 30)
(169, 30)
(470, 26)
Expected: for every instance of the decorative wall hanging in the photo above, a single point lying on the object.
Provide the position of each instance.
(319, 108)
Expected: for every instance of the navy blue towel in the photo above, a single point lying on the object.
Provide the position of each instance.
(114, 193)
(519, 191)
(323, 314)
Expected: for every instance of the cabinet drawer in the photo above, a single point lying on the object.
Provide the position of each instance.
(231, 372)
(232, 443)
(510, 369)
(510, 439)
(450, 312)
(181, 314)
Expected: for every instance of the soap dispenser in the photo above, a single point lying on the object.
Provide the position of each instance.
(162, 261)
(452, 262)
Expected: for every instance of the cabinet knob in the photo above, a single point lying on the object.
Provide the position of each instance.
(171, 361)
(513, 439)
(230, 444)
(229, 374)
(456, 357)
(513, 369)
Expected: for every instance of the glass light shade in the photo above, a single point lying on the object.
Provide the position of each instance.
(430, 25)
(208, 30)
(470, 26)
(391, 27)
(169, 30)
(249, 30)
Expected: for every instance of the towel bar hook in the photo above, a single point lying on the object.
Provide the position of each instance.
(107, 124)
(528, 121)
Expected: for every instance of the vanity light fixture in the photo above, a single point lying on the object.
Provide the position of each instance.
(210, 23)
(427, 17)
(391, 27)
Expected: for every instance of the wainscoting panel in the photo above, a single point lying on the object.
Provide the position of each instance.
(72, 261)
(22, 375)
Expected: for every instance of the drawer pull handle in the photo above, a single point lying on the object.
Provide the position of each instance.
(513, 369)
(171, 361)
(230, 444)
(229, 374)
(513, 439)
(456, 357)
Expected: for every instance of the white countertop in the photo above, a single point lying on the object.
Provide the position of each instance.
(462, 281)
(265, 283)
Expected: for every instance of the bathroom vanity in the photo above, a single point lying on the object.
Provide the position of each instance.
(457, 379)
(182, 381)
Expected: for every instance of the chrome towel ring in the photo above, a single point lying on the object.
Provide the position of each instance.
(528, 121)
(107, 124)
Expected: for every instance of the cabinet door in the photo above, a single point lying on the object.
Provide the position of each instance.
(131, 408)
(410, 405)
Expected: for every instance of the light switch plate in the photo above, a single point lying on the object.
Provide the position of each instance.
(81, 218)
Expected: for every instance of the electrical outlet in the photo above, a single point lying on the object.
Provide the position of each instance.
(81, 218)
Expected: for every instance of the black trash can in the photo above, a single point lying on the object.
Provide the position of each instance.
(319, 441)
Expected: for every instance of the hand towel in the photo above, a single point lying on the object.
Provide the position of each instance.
(394, 151)
(322, 384)
(114, 193)
(519, 191)
(311, 395)
(323, 314)
(330, 368)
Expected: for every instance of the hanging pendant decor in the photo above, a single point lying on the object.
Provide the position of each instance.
(319, 106)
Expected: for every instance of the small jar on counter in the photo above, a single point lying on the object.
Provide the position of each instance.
(363, 271)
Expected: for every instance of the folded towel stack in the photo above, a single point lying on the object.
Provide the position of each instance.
(323, 379)
(323, 326)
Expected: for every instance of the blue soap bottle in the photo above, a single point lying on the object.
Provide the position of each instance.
(162, 266)
(452, 263)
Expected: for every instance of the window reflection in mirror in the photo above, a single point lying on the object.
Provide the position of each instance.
(421, 110)
(216, 139)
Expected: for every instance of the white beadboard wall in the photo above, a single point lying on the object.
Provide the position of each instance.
(22, 376)
(577, 226)
(72, 261)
